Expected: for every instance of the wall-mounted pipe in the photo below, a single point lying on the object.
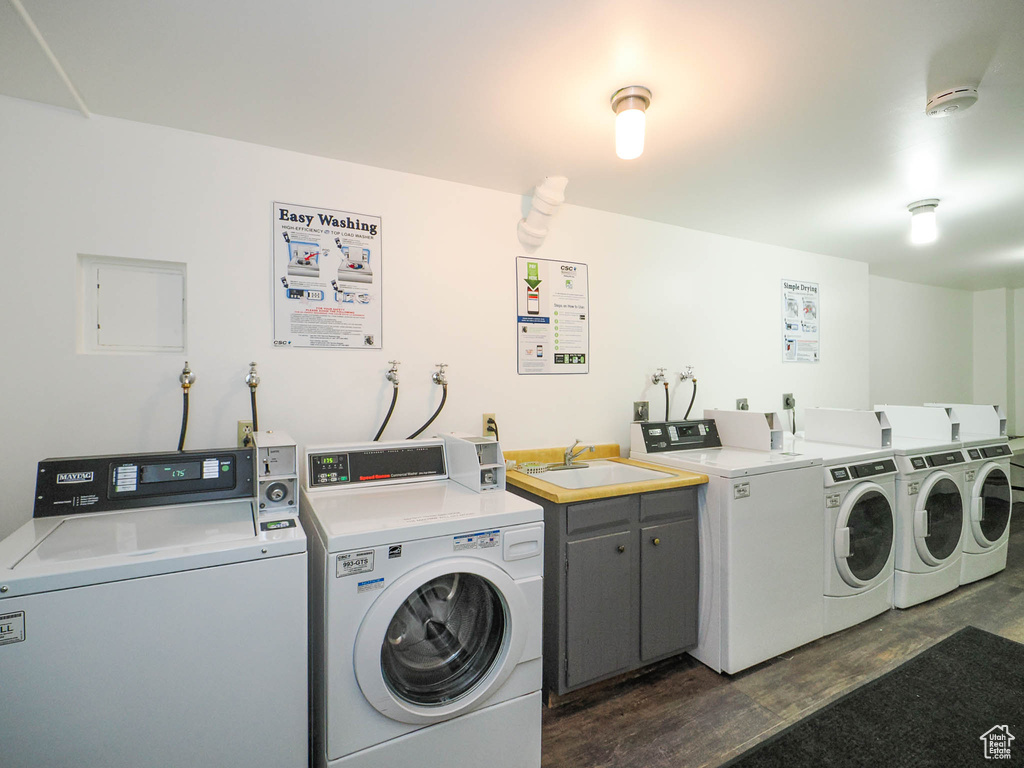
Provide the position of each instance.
(439, 378)
(392, 376)
(187, 379)
(547, 198)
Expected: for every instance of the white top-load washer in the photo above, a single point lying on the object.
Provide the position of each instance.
(150, 615)
(860, 526)
(987, 490)
(761, 534)
(929, 502)
(426, 603)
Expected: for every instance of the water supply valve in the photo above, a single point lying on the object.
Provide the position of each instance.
(438, 376)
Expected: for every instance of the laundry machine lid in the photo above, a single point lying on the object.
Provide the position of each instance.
(77, 550)
(729, 462)
(367, 517)
(991, 504)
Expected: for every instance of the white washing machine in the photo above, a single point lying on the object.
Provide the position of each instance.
(988, 499)
(860, 526)
(426, 604)
(761, 533)
(929, 519)
(151, 616)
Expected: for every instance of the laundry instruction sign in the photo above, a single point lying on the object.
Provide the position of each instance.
(552, 317)
(326, 278)
(801, 313)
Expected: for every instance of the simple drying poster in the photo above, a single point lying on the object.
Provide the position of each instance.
(801, 311)
(327, 278)
(553, 316)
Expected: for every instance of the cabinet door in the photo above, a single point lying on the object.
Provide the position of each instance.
(668, 588)
(599, 637)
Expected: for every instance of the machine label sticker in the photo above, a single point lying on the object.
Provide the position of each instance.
(913, 488)
(395, 551)
(832, 500)
(741, 491)
(482, 540)
(12, 627)
(369, 586)
(354, 562)
(970, 474)
(63, 478)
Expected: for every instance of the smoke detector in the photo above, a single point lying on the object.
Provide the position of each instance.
(948, 102)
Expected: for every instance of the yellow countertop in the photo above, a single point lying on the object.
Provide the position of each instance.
(536, 484)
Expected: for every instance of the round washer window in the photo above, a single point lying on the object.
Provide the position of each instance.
(443, 639)
(995, 500)
(871, 532)
(945, 519)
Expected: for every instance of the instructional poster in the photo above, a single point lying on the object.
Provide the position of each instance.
(801, 313)
(327, 278)
(553, 317)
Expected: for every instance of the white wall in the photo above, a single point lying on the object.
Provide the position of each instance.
(660, 296)
(921, 343)
(990, 346)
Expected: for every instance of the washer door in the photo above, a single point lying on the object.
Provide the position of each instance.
(938, 519)
(863, 535)
(990, 505)
(440, 640)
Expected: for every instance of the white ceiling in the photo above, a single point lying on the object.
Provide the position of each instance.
(794, 122)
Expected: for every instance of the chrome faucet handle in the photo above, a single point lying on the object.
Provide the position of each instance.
(657, 378)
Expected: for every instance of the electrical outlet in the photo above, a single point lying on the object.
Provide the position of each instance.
(742, 404)
(788, 402)
(244, 428)
(641, 410)
(485, 432)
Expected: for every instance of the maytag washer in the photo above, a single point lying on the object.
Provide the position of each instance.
(151, 616)
(987, 505)
(426, 603)
(761, 532)
(860, 492)
(929, 519)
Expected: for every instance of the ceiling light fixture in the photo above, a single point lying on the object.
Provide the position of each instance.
(630, 106)
(923, 226)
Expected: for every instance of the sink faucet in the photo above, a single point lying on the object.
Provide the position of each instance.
(570, 455)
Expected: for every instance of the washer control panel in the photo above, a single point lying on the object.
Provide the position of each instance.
(380, 463)
(105, 483)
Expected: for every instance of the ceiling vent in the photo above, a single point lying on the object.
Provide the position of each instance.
(949, 102)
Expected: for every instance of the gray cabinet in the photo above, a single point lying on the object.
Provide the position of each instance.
(620, 584)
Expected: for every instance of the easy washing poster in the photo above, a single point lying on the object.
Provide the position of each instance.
(553, 317)
(327, 278)
(801, 312)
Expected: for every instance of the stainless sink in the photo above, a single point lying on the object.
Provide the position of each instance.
(598, 473)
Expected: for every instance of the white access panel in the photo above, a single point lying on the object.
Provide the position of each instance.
(203, 667)
(939, 425)
(753, 430)
(131, 305)
(987, 420)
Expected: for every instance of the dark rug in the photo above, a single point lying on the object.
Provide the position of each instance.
(931, 711)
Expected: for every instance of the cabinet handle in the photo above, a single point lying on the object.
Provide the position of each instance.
(622, 547)
(656, 541)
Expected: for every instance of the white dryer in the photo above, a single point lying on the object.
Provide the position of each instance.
(988, 499)
(929, 519)
(151, 616)
(426, 603)
(860, 526)
(761, 532)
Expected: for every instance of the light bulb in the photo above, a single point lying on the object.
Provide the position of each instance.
(923, 224)
(629, 133)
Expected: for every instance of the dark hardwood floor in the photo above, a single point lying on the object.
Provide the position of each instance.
(680, 714)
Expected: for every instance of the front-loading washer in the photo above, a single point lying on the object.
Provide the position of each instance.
(760, 530)
(860, 527)
(988, 499)
(426, 603)
(929, 519)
